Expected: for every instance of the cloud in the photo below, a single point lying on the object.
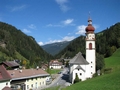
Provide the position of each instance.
(81, 29)
(62, 6)
(62, 23)
(68, 21)
(26, 31)
(40, 43)
(54, 25)
(32, 26)
(17, 8)
(66, 38)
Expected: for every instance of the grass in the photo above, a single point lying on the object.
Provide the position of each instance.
(113, 61)
(54, 71)
(104, 82)
(109, 81)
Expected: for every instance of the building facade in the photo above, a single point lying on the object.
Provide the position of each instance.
(84, 68)
(28, 78)
(90, 49)
(55, 64)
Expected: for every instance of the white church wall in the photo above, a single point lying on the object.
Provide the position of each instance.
(80, 73)
(90, 57)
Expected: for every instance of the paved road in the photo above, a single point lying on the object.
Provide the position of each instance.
(62, 80)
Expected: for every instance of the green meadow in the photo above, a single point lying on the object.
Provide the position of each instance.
(109, 81)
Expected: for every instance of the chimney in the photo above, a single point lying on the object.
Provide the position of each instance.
(20, 71)
(37, 67)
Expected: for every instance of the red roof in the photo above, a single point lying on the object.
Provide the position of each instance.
(4, 75)
(27, 73)
(6, 88)
(90, 28)
(55, 63)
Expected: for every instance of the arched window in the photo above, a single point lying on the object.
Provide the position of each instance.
(90, 46)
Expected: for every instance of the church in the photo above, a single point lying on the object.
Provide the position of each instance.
(78, 65)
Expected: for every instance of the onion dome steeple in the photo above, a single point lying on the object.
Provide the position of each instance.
(90, 28)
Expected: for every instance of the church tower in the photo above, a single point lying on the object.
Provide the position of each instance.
(90, 49)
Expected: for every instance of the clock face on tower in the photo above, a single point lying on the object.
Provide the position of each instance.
(91, 36)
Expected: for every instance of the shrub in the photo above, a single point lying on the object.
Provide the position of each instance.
(77, 79)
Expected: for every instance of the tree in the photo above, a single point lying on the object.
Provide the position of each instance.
(77, 79)
(99, 62)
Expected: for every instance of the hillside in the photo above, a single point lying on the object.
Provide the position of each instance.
(108, 81)
(14, 44)
(55, 48)
(107, 42)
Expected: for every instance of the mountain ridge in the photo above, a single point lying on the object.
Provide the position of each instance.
(13, 41)
(55, 48)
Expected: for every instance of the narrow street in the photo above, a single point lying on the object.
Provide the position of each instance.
(62, 80)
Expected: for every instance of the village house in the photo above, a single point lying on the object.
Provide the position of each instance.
(55, 64)
(4, 79)
(44, 67)
(27, 79)
(10, 64)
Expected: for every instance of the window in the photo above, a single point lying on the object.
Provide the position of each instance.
(36, 85)
(90, 46)
(31, 85)
(80, 73)
(27, 86)
(91, 66)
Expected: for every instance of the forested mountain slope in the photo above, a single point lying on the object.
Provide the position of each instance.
(55, 48)
(107, 42)
(14, 42)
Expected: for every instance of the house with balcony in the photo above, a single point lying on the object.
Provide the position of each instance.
(27, 79)
(55, 64)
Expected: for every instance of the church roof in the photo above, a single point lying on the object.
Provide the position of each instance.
(90, 28)
(79, 67)
(78, 59)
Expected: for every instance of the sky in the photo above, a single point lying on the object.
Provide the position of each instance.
(50, 21)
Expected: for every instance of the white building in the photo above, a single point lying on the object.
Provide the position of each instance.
(55, 64)
(84, 68)
(27, 79)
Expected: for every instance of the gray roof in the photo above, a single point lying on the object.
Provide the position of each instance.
(79, 67)
(78, 59)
